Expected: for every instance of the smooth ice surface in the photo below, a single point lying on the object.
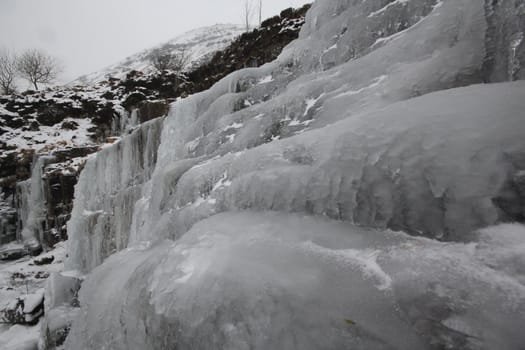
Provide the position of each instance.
(280, 281)
(19, 338)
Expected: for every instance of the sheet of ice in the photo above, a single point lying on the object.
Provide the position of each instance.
(195, 273)
(278, 281)
(20, 338)
(34, 212)
(105, 195)
(434, 165)
(333, 170)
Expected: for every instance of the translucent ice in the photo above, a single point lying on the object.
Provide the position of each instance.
(240, 233)
(278, 281)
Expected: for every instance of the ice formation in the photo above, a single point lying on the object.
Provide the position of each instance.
(242, 225)
(108, 188)
(281, 281)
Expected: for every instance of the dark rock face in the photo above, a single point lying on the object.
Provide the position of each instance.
(511, 199)
(251, 49)
(505, 57)
(149, 110)
(25, 310)
(58, 181)
(60, 193)
(69, 125)
(133, 100)
(14, 166)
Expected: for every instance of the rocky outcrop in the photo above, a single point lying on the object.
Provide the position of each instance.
(65, 126)
(26, 309)
(251, 49)
(505, 41)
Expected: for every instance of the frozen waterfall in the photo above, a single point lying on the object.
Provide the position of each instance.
(349, 194)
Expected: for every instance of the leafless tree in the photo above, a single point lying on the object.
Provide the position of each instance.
(260, 12)
(7, 71)
(174, 61)
(247, 13)
(38, 67)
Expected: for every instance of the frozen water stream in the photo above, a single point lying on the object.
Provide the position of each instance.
(285, 208)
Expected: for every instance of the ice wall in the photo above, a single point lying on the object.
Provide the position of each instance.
(280, 281)
(351, 58)
(381, 53)
(432, 166)
(107, 190)
(371, 118)
(32, 210)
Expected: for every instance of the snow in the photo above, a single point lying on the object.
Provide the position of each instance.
(387, 6)
(376, 82)
(32, 301)
(30, 288)
(234, 126)
(394, 36)
(199, 43)
(49, 137)
(310, 103)
(266, 79)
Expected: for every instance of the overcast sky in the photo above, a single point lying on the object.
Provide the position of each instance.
(87, 35)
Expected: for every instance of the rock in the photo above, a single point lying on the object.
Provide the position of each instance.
(10, 253)
(148, 110)
(69, 125)
(34, 126)
(26, 309)
(66, 154)
(133, 99)
(42, 275)
(45, 260)
(13, 122)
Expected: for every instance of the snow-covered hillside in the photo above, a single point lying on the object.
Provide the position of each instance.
(199, 44)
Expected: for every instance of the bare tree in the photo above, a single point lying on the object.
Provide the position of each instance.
(38, 67)
(174, 61)
(247, 13)
(7, 72)
(260, 12)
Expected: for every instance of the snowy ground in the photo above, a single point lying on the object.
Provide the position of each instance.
(19, 278)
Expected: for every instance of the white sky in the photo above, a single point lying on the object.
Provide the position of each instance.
(87, 35)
